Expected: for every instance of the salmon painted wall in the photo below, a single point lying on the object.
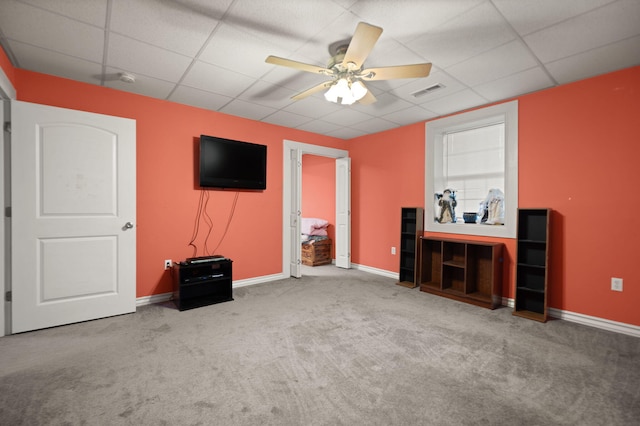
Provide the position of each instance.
(387, 173)
(167, 195)
(319, 191)
(578, 154)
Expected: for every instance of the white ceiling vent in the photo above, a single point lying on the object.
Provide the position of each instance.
(428, 90)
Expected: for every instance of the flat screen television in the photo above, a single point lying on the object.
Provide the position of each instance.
(231, 164)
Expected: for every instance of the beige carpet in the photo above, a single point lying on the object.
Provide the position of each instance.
(333, 348)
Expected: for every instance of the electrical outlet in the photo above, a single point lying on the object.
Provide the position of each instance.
(167, 264)
(393, 250)
(616, 284)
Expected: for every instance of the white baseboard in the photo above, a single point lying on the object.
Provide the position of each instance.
(376, 271)
(604, 324)
(164, 297)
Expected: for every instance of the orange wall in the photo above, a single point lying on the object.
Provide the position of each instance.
(319, 190)
(387, 173)
(578, 154)
(167, 196)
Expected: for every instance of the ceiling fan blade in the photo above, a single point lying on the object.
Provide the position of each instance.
(314, 89)
(400, 71)
(368, 98)
(275, 60)
(361, 44)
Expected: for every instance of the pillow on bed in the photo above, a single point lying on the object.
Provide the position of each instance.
(313, 226)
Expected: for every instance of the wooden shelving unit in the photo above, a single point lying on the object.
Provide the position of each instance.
(411, 228)
(532, 264)
(467, 271)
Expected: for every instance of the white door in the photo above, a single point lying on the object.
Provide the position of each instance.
(294, 213)
(73, 243)
(343, 212)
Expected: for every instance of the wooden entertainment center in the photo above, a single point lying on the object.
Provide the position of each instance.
(467, 271)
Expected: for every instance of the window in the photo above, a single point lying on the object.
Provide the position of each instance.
(472, 153)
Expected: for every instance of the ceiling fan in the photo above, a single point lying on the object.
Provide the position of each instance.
(346, 69)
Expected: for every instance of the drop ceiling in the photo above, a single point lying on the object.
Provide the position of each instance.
(211, 54)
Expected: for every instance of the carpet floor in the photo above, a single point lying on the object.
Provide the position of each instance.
(336, 347)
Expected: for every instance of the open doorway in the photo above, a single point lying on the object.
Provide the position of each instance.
(292, 204)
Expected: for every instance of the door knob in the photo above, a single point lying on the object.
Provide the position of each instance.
(128, 225)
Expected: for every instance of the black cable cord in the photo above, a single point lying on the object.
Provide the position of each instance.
(196, 225)
(233, 209)
(209, 222)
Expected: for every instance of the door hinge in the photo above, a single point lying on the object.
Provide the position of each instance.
(7, 126)
(7, 212)
(7, 296)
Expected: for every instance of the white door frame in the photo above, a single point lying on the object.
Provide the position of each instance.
(288, 193)
(7, 93)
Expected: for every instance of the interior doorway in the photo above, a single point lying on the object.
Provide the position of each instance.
(292, 196)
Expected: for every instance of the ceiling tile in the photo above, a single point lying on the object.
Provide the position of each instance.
(458, 101)
(345, 133)
(267, 94)
(622, 54)
(238, 50)
(215, 79)
(319, 126)
(24, 23)
(386, 103)
(529, 16)
(199, 98)
(474, 32)
(507, 59)
(527, 81)
(313, 107)
(287, 119)
(89, 11)
(286, 24)
(608, 24)
(346, 116)
(247, 110)
(410, 115)
(374, 125)
(451, 85)
(406, 19)
(143, 85)
(54, 63)
(176, 26)
(137, 57)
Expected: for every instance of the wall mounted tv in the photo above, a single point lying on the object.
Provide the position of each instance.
(231, 164)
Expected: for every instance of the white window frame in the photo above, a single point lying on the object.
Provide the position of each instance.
(435, 131)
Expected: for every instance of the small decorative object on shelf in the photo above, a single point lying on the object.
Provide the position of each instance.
(411, 228)
(532, 267)
(447, 203)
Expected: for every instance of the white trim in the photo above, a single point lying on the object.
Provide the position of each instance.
(588, 320)
(435, 130)
(376, 271)
(259, 280)
(7, 91)
(153, 299)
(286, 190)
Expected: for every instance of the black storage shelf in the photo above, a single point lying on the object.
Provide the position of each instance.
(532, 264)
(411, 226)
(202, 283)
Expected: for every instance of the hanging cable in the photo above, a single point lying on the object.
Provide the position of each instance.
(196, 225)
(233, 209)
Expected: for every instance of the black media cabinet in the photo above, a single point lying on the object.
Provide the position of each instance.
(201, 283)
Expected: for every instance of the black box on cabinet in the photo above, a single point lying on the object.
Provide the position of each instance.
(202, 283)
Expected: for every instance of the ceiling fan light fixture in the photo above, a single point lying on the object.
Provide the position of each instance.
(345, 92)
